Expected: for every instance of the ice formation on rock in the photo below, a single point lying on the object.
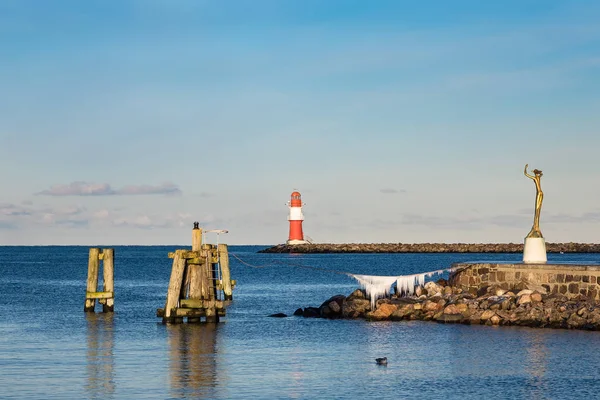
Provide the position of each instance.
(380, 286)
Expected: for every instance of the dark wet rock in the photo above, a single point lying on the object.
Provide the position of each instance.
(299, 312)
(332, 308)
(278, 315)
(311, 312)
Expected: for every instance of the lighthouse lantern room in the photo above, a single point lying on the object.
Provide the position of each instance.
(296, 217)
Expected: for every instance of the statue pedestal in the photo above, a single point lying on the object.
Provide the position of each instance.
(534, 251)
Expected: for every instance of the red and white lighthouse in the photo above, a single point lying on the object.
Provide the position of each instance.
(295, 217)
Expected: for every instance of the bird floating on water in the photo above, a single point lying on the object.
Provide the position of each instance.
(381, 361)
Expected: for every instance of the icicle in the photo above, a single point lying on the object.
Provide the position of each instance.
(379, 286)
(375, 286)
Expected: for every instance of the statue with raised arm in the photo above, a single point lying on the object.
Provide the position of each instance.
(536, 177)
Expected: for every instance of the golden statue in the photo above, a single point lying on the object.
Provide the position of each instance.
(537, 175)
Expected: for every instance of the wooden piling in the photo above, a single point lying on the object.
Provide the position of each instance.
(196, 237)
(194, 285)
(108, 279)
(174, 287)
(225, 273)
(92, 279)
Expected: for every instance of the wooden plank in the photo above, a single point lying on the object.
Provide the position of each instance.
(190, 312)
(92, 278)
(175, 283)
(225, 273)
(99, 295)
(186, 254)
(108, 269)
(200, 303)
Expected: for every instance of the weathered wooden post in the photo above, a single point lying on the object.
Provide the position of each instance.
(194, 272)
(92, 279)
(170, 312)
(225, 273)
(108, 274)
(107, 296)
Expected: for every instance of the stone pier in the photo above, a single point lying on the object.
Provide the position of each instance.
(570, 280)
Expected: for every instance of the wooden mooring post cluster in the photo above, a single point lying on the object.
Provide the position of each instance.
(107, 296)
(200, 285)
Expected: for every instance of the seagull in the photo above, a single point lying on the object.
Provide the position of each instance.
(381, 361)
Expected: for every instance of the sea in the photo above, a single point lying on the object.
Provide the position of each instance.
(51, 349)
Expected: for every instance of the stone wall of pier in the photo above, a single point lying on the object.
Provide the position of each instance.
(565, 279)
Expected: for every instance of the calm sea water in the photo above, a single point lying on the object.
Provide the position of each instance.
(51, 349)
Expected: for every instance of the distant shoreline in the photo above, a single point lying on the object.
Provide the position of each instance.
(428, 248)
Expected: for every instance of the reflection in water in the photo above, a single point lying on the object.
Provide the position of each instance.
(192, 354)
(535, 363)
(100, 362)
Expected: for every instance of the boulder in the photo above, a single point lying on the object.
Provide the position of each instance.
(535, 296)
(311, 312)
(403, 312)
(524, 299)
(357, 294)
(429, 305)
(332, 308)
(487, 314)
(355, 308)
(433, 288)
(299, 312)
(451, 310)
(382, 313)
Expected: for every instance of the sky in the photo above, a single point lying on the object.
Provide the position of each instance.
(123, 122)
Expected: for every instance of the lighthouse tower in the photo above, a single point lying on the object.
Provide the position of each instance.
(295, 217)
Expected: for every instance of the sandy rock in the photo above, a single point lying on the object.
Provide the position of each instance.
(451, 309)
(495, 320)
(487, 314)
(419, 291)
(402, 312)
(536, 297)
(429, 305)
(524, 299)
(433, 288)
(383, 312)
(524, 291)
(462, 307)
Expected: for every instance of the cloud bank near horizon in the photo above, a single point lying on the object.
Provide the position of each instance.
(82, 188)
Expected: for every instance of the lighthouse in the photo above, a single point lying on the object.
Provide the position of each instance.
(295, 217)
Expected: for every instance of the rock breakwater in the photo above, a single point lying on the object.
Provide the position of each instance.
(428, 248)
(439, 302)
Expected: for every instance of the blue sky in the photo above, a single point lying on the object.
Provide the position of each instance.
(122, 122)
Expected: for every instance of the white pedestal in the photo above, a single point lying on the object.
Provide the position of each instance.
(296, 242)
(534, 251)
